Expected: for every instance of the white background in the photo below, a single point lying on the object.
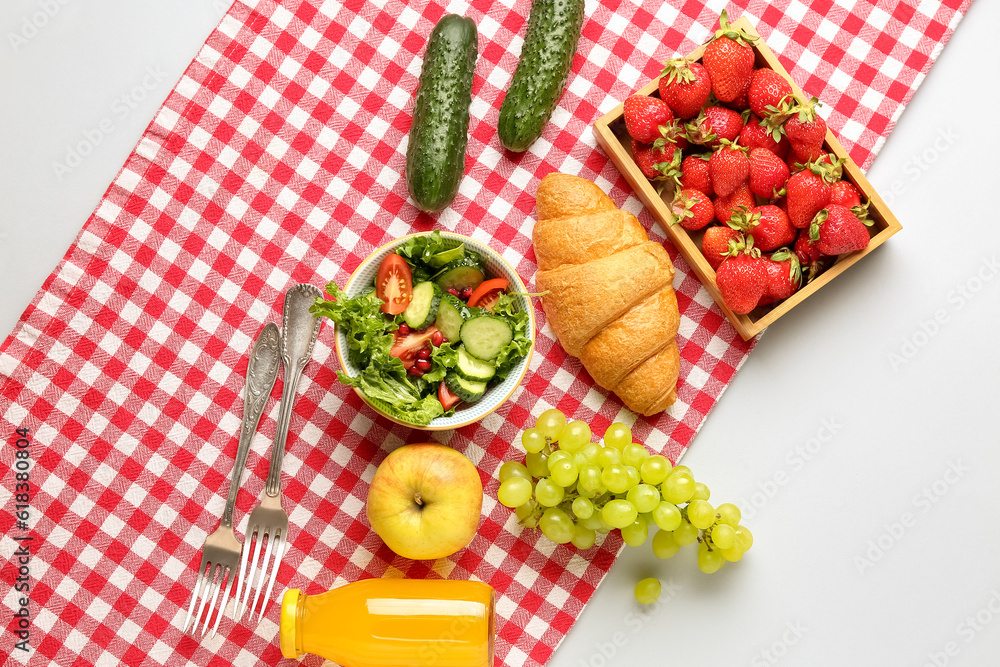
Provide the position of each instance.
(868, 550)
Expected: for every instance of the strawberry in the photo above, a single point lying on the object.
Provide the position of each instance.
(695, 174)
(755, 135)
(692, 209)
(770, 93)
(717, 243)
(836, 230)
(724, 206)
(729, 59)
(685, 86)
(656, 163)
(714, 124)
(810, 258)
(643, 117)
(742, 101)
(768, 224)
(784, 276)
(768, 173)
(844, 194)
(742, 281)
(808, 192)
(806, 131)
(729, 167)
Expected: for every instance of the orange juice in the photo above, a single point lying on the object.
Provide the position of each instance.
(392, 622)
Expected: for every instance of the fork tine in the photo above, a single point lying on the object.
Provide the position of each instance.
(279, 551)
(194, 593)
(251, 572)
(225, 602)
(244, 556)
(263, 572)
(216, 586)
(209, 579)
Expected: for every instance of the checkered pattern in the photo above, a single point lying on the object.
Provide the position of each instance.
(278, 159)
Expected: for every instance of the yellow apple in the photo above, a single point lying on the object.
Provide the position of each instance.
(425, 501)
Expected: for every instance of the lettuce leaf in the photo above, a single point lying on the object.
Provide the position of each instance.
(396, 396)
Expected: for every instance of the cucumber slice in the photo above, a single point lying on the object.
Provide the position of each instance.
(461, 277)
(485, 336)
(474, 369)
(447, 256)
(469, 391)
(449, 318)
(423, 308)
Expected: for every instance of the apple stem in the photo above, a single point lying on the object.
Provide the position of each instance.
(418, 499)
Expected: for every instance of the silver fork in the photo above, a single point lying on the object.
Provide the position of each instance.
(221, 552)
(269, 522)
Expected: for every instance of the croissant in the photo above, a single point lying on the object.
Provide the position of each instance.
(609, 293)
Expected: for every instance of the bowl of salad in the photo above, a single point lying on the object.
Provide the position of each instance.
(434, 330)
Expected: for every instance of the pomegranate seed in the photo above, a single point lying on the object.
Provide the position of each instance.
(437, 339)
(443, 340)
(467, 292)
(424, 353)
(404, 329)
(453, 291)
(415, 370)
(423, 364)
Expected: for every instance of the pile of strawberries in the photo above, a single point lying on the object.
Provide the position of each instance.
(747, 161)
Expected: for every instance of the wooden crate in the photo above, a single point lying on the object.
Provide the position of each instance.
(613, 138)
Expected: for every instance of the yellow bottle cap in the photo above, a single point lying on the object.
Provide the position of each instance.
(289, 613)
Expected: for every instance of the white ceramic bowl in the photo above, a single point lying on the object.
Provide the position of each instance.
(496, 267)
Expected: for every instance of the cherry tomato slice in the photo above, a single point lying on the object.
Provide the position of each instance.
(487, 293)
(448, 399)
(394, 284)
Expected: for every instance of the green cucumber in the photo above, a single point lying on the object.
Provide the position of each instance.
(546, 60)
(469, 391)
(474, 369)
(484, 337)
(449, 318)
(423, 308)
(466, 272)
(435, 157)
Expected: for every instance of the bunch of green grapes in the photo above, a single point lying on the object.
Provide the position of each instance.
(572, 489)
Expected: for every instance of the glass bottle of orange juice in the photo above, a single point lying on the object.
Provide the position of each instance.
(390, 622)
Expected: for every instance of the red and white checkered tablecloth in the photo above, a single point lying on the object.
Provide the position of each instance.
(278, 159)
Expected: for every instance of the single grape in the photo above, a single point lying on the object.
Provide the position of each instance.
(533, 440)
(604, 527)
(537, 463)
(634, 454)
(580, 460)
(583, 508)
(644, 497)
(685, 534)
(514, 492)
(513, 469)
(635, 533)
(734, 554)
(633, 475)
(548, 493)
(574, 436)
(709, 561)
(609, 456)
(724, 536)
(647, 591)
(527, 514)
(676, 488)
(619, 513)
(681, 469)
(666, 515)
(550, 423)
(664, 544)
(615, 478)
(589, 479)
(557, 526)
(729, 514)
(744, 537)
(593, 522)
(701, 514)
(583, 538)
(590, 452)
(563, 472)
(618, 436)
(654, 469)
(556, 456)
(701, 492)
